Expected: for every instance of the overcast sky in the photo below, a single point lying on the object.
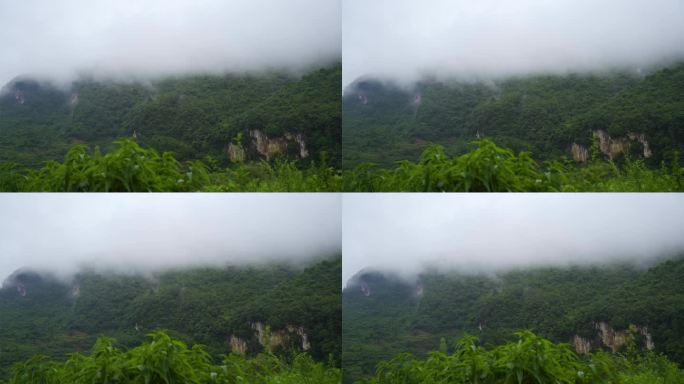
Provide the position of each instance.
(120, 38)
(404, 39)
(405, 233)
(147, 232)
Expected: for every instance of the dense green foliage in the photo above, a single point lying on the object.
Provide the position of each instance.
(489, 168)
(541, 114)
(41, 315)
(529, 359)
(166, 360)
(384, 316)
(193, 117)
(130, 168)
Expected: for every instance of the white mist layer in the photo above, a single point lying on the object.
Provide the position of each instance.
(403, 40)
(141, 233)
(138, 40)
(407, 234)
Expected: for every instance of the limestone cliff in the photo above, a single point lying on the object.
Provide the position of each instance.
(608, 337)
(260, 145)
(288, 337)
(612, 147)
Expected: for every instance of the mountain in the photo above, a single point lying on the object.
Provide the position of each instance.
(589, 307)
(228, 117)
(241, 309)
(635, 113)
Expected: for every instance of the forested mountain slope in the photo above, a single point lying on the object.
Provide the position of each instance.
(247, 310)
(639, 113)
(271, 115)
(589, 307)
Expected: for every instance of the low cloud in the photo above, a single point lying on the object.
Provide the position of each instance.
(140, 40)
(403, 40)
(140, 233)
(406, 234)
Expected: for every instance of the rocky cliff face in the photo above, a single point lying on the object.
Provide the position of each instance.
(608, 337)
(271, 339)
(235, 153)
(237, 345)
(581, 344)
(612, 146)
(579, 153)
(263, 146)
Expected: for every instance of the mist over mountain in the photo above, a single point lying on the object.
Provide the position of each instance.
(408, 234)
(225, 118)
(242, 273)
(62, 234)
(589, 307)
(583, 269)
(244, 309)
(404, 41)
(636, 115)
(129, 40)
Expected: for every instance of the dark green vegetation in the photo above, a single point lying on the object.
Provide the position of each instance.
(130, 168)
(252, 117)
(275, 309)
(552, 117)
(489, 168)
(529, 359)
(384, 316)
(169, 361)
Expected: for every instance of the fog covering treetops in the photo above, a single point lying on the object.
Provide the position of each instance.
(219, 82)
(573, 118)
(209, 117)
(405, 41)
(407, 234)
(63, 234)
(133, 41)
(588, 308)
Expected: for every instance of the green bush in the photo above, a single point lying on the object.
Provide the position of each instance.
(169, 361)
(131, 168)
(490, 168)
(528, 360)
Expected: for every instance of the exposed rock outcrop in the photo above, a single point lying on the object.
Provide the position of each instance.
(267, 147)
(579, 153)
(73, 101)
(365, 289)
(236, 153)
(640, 137)
(75, 291)
(271, 339)
(417, 99)
(259, 144)
(612, 147)
(581, 344)
(19, 97)
(237, 345)
(611, 338)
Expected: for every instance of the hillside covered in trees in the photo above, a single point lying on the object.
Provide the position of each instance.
(639, 114)
(590, 307)
(277, 309)
(222, 119)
